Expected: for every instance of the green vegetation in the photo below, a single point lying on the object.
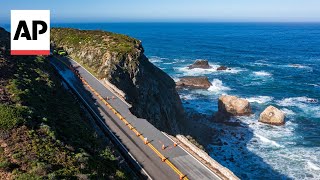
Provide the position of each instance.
(10, 116)
(113, 42)
(99, 52)
(47, 134)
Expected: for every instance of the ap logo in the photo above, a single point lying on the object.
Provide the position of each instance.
(30, 32)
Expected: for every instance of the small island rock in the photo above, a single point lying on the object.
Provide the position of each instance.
(272, 115)
(197, 82)
(203, 64)
(233, 106)
(222, 68)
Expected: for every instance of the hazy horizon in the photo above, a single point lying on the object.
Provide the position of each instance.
(98, 11)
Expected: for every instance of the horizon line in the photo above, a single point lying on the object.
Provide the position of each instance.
(195, 22)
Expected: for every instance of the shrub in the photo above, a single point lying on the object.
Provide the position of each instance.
(11, 116)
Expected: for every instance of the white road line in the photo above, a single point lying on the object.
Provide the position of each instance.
(110, 89)
(103, 123)
(192, 156)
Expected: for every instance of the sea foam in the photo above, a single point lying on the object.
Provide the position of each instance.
(268, 141)
(260, 99)
(262, 73)
(200, 71)
(218, 87)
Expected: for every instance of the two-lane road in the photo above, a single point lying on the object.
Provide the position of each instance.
(145, 155)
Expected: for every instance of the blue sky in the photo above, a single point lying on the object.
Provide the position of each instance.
(169, 10)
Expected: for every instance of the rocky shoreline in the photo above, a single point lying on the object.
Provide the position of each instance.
(228, 105)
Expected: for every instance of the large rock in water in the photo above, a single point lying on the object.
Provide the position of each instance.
(204, 64)
(120, 59)
(197, 82)
(233, 106)
(272, 115)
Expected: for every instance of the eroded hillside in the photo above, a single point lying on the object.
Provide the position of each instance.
(120, 60)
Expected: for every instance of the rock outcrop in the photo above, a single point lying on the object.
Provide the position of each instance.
(272, 115)
(196, 82)
(203, 64)
(120, 60)
(222, 68)
(232, 106)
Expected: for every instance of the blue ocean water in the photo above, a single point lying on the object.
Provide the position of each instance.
(270, 64)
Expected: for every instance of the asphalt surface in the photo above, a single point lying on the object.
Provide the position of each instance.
(147, 159)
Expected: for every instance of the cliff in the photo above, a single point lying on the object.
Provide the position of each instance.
(38, 141)
(120, 60)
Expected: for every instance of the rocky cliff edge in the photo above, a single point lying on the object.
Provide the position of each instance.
(120, 59)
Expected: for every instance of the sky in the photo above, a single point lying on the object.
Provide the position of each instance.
(169, 10)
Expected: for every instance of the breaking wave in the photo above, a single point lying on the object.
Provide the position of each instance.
(218, 87)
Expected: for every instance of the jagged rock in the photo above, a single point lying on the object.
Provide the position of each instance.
(120, 59)
(200, 82)
(203, 64)
(232, 106)
(272, 115)
(222, 68)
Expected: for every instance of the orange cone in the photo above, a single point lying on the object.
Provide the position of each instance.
(175, 144)
(163, 147)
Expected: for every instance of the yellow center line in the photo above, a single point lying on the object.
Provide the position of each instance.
(161, 156)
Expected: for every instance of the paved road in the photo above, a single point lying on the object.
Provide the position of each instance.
(148, 160)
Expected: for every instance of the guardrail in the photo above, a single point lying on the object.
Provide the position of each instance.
(138, 134)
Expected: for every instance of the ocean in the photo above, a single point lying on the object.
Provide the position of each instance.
(270, 64)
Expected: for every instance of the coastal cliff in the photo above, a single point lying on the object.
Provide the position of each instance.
(38, 141)
(120, 60)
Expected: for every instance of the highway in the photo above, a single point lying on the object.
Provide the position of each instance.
(155, 153)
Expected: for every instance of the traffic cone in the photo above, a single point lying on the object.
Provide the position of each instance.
(175, 144)
(181, 176)
(163, 147)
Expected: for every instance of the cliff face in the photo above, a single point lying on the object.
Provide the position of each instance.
(120, 60)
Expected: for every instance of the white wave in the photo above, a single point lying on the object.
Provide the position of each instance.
(260, 99)
(307, 105)
(315, 85)
(156, 59)
(262, 73)
(261, 64)
(179, 60)
(297, 101)
(313, 166)
(187, 96)
(298, 66)
(199, 71)
(218, 87)
(288, 112)
(268, 141)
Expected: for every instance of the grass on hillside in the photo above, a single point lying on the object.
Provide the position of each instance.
(113, 42)
(44, 132)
